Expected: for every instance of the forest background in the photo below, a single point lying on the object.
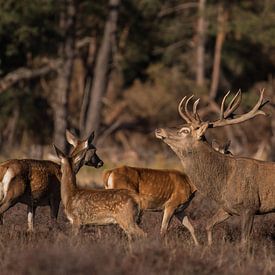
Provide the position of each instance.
(120, 67)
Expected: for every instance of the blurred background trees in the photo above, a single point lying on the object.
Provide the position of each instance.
(120, 67)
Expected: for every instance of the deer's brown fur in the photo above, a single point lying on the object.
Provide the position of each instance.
(34, 183)
(99, 207)
(241, 186)
(158, 190)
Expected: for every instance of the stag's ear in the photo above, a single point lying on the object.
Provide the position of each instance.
(201, 130)
(227, 145)
(58, 152)
(71, 138)
(215, 145)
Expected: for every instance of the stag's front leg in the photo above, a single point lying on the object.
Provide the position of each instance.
(167, 215)
(31, 214)
(219, 217)
(185, 222)
(247, 222)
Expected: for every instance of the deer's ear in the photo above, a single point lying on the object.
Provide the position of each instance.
(215, 145)
(201, 130)
(227, 145)
(71, 138)
(89, 141)
(91, 138)
(58, 152)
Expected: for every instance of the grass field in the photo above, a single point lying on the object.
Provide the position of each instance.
(105, 249)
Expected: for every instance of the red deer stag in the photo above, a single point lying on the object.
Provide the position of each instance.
(241, 186)
(159, 190)
(99, 207)
(37, 182)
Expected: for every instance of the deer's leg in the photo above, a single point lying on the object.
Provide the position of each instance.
(7, 203)
(131, 229)
(167, 215)
(54, 207)
(220, 216)
(5, 206)
(75, 228)
(185, 222)
(247, 223)
(127, 221)
(31, 214)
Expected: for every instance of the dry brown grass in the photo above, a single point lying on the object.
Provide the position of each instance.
(105, 250)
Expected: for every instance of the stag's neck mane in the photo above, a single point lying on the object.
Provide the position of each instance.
(207, 169)
(68, 183)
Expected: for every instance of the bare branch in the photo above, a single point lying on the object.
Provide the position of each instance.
(178, 8)
(23, 74)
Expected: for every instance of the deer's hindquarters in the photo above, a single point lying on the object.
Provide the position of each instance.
(5, 182)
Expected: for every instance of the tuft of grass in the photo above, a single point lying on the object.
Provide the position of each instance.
(106, 250)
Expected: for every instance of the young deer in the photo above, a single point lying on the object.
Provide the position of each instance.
(37, 182)
(159, 190)
(241, 186)
(100, 207)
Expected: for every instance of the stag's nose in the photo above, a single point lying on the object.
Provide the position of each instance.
(100, 163)
(160, 133)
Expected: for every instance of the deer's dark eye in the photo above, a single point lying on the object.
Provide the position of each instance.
(184, 131)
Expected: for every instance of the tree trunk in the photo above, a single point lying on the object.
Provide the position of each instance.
(200, 44)
(67, 50)
(222, 20)
(102, 68)
(90, 64)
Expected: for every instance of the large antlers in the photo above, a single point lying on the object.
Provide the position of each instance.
(186, 115)
(227, 116)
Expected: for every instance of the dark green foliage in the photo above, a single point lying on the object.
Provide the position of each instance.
(155, 53)
(26, 28)
(34, 115)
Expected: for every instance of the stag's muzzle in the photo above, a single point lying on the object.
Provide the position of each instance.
(160, 133)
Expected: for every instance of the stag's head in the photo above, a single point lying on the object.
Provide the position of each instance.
(194, 130)
(90, 157)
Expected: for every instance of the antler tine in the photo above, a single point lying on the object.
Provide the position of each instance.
(233, 105)
(192, 119)
(222, 105)
(195, 112)
(185, 117)
(260, 104)
(256, 110)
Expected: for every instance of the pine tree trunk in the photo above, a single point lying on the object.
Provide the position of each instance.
(222, 20)
(201, 44)
(102, 68)
(67, 49)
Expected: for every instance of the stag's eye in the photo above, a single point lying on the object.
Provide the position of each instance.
(184, 131)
